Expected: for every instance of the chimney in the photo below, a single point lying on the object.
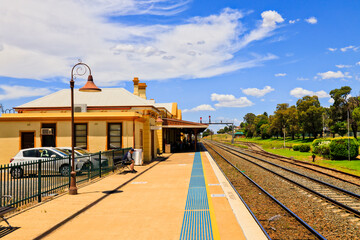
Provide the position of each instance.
(142, 90)
(136, 86)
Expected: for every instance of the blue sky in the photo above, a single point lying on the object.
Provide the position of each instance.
(219, 58)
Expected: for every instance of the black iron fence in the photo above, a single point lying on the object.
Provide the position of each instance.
(33, 180)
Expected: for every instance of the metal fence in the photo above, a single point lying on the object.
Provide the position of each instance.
(33, 180)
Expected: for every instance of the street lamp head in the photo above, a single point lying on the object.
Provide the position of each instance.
(90, 86)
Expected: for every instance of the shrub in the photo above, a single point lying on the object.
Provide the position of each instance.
(304, 148)
(323, 149)
(317, 142)
(339, 148)
(296, 147)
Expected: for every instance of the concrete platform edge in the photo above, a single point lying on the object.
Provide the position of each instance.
(244, 218)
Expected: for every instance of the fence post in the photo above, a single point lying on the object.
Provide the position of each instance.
(100, 164)
(39, 181)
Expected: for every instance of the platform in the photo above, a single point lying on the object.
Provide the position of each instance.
(183, 197)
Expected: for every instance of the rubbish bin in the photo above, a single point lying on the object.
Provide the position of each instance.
(167, 148)
(137, 155)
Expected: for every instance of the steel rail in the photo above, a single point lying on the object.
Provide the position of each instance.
(347, 208)
(294, 172)
(307, 226)
(277, 157)
(305, 163)
(248, 208)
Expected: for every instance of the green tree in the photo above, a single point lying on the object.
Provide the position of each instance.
(221, 131)
(250, 127)
(310, 115)
(280, 118)
(339, 128)
(207, 132)
(265, 131)
(292, 121)
(259, 121)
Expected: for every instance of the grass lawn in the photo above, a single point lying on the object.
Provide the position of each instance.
(275, 146)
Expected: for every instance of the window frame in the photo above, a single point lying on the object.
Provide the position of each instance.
(86, 135)
(108, 144)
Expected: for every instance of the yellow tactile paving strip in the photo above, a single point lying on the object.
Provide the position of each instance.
(250, 229)
(228, 227)
(151, 206)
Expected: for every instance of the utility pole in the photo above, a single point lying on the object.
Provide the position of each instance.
(284, 135)
(348, 125)
(233, 133)
(323, 117)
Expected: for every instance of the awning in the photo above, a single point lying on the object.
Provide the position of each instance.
(181, 124)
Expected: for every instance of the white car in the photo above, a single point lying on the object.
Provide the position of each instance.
(52, 160)
(86, 156)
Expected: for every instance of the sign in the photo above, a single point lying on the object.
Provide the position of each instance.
(155, 127)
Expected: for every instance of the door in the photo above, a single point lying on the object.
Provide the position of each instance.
(27, 140)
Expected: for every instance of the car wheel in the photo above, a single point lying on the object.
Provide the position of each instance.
(17, 172)
(65, 170)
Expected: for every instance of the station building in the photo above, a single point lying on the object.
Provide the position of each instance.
(110, 119)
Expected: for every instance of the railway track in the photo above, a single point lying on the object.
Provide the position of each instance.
(343, 176)
(341, 201)
(275, 217)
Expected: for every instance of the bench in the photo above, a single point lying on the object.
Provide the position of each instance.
(5, 210)
(120, 163)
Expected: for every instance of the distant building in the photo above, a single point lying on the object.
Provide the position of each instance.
(110, 119)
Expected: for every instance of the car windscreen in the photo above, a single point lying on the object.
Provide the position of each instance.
(82, 151)
(61, 152)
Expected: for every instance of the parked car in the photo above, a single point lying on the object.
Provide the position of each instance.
(86, 156)
(20, 164)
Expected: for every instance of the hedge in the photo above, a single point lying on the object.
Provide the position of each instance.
(296, 147)
(336, 148)
(304, 148)
(339, 148)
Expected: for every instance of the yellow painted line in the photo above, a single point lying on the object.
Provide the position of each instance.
(214, 225)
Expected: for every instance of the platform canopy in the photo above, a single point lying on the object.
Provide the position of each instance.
(172, 129)
(184, 126)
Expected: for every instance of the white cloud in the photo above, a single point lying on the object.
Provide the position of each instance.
(332, 49)
(294, 21)
(302, 79)
(343, 66)
(331, 100)
(280, 74)
(258, 92)
(265, 29)
(311, 20)
(331, 74)
(16, 92)
(200, 47)
(344, 49)
(358, 64)
(203, 107)
(300, 92)
(227, 100)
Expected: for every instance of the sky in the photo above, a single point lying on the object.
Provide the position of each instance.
(214, 58)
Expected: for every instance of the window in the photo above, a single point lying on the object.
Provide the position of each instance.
(31, 153)
(114, 135)
(81, 135)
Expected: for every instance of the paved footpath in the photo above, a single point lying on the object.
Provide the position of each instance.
(148, 205)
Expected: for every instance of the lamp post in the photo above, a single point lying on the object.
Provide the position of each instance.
(80, 70)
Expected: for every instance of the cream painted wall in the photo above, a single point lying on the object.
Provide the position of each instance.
(10, 138)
